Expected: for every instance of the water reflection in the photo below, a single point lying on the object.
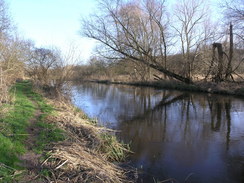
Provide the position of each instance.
(173, 134)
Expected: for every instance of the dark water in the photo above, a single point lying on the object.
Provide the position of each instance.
(181, 136)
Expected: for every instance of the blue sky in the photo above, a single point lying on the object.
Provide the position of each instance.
(53, 22)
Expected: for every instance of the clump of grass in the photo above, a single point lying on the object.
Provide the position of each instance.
(113, 150)
(82, 115)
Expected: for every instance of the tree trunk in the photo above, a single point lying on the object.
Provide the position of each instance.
(219, 75)
(229, 67)
(171, 74)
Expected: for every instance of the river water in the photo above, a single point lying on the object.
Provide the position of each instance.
(180, 136)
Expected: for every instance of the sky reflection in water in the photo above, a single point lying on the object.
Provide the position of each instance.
(174, 134)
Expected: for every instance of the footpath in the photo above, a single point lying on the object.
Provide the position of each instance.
(46, 140)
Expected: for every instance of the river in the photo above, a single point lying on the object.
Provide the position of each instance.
(180, 136)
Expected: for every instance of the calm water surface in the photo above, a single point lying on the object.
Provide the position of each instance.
(180, 135)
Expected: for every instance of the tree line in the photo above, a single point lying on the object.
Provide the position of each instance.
(180, 41)
(139, 40)
(21, 59)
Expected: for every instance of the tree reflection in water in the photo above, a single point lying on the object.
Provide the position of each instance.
(172, 133)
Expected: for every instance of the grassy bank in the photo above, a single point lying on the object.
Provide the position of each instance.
(13, 132)
(225, 88)
(46, 140)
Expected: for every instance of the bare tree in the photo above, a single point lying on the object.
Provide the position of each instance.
(234, 12)
(40, 64)
(5, 20)
(51, 70)
(190, 26)
(12, 56)
(133, 30)
(234, 16)
(6, 42)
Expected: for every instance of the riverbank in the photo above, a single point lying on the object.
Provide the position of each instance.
(45, 140)
(173, 134)
(224, 88)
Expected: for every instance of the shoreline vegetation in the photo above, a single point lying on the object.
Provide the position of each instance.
(45, 140)
(223, 88)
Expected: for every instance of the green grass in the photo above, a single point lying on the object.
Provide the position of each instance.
(13, 131)
(13, 128)
(48, 135)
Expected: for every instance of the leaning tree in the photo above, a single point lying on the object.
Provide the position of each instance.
(135, 30)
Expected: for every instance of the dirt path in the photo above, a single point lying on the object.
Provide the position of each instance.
(31, 160)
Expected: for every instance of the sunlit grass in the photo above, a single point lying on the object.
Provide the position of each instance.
(13, 129)
(49, 134)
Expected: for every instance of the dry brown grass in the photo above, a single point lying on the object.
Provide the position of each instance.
(78, 158)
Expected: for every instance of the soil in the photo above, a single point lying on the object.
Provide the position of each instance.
(31, 160)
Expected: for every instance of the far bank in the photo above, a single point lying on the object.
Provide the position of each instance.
(223, 88)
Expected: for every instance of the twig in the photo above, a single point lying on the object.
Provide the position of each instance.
(45, 160)
(61, 165)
